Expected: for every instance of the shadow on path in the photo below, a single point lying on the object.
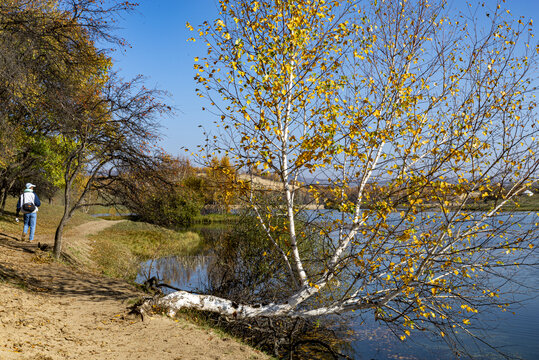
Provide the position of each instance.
(23, 264)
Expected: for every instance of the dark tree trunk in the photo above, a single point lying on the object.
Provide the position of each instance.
(2, 207)
(60, 229)
(58, 239)
(6, 188)
(4, 198)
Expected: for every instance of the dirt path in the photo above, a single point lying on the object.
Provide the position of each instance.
(51, 311)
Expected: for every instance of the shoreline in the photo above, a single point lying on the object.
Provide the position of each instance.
(62, 310)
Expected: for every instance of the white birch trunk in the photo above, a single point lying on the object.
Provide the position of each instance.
(284, 127)
(185, 300)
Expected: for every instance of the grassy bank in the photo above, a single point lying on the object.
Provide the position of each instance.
(119, 249)
(116, 251)
(522, 203)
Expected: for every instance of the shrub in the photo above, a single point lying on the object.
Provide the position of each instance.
(170, 208)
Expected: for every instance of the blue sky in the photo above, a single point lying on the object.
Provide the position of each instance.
(159, 50)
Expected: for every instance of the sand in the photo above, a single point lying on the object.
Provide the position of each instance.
(51, 310)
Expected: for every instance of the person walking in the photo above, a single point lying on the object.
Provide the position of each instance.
(29, 203)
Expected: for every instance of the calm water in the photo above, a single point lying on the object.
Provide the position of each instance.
(515, 334)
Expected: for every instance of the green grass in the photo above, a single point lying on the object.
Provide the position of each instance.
(119, 249)
(522, 203)
(215, 219)
(528, 203)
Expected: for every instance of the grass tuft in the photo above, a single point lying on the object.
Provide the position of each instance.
(115, 259)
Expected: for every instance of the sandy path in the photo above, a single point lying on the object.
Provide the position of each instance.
(51, 311)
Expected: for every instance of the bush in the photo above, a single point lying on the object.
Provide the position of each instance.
(169, 194)
(174, 208)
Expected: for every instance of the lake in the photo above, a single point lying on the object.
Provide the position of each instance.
(516, 334)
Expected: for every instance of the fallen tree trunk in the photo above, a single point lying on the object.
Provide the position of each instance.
(185, 300)
(179, 300)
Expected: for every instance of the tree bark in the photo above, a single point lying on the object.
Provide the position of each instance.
(60, 229)
(58, 239)
(6, 192)
(186, 300)
(2, 196)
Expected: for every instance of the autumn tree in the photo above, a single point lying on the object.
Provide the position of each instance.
(433, 103)
(168, 193)
(47, 54)
(219, 179)
(22, 85)
(113, 128)
(70, 118)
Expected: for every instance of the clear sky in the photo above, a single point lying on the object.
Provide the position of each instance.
(159, 50)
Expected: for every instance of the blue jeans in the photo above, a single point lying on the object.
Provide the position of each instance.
(30, 221)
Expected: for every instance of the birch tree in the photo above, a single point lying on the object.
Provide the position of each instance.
(423, 110)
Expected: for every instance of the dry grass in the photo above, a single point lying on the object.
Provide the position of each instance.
(119, 249)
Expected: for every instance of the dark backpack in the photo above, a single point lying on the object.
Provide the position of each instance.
(28, 207)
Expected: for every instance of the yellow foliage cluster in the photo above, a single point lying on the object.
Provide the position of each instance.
(407, 119)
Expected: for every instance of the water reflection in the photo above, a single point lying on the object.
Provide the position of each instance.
(222, 261)
(185, 272)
